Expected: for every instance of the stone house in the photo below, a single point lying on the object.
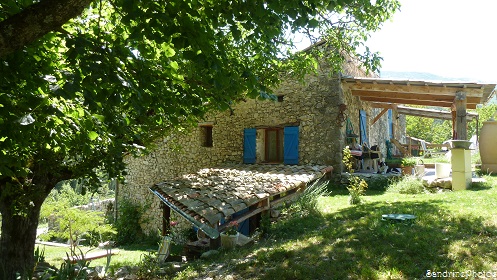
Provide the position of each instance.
(307, 125)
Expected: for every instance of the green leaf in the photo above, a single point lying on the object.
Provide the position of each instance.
(168, 50)
(174, 65)
(92, 135)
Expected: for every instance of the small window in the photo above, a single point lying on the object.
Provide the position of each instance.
(206, 136)
(280, 98)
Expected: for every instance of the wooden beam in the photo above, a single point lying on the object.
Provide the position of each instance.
(261, 207)
(413, 89)
(379, 116)
(430, 113)
(414, 102)
(384, 105)
(461, 129)
(415, 96)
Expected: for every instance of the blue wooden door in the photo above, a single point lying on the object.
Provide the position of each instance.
(363, 126)
(291, 145)
(249, 145)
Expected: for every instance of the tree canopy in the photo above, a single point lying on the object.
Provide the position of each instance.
(438, 130)
(83, 82)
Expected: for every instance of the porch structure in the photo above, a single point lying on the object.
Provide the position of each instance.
(211, 197)
(392, 94)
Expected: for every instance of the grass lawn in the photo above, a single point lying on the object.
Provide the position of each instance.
(453, 232)
(125, 256)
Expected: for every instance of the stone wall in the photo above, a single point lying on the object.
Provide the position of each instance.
(313, 106)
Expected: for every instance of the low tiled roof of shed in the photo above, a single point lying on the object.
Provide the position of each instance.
(212, 194)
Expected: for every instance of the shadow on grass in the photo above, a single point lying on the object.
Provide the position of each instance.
(355, 243)
(480, 186)
(377, 185)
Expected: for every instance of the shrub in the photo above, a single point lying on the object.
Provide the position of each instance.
(128, 224)
(357, 187)
(378, 183)
(308, 200)
(407, 185)
(73, 224)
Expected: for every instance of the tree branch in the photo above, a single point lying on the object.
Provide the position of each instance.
(35, 21)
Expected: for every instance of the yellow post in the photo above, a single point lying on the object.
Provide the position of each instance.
(461, 169)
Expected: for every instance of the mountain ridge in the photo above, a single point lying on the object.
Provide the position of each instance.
(423, 76)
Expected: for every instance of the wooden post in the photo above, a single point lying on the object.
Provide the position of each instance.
(460, 102)
(410, 146)
(215, 244)
(166, 219)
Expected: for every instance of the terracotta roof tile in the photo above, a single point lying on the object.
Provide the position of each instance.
(215, 193)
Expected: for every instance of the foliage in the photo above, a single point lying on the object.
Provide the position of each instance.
(128, 223)
(307, 202)
(232, 228)
(484, 114)
(438, 131)
(69, 223)
(347, 160)
(80, 94)
(149, 266)
(409, 161)
(394, 162)
(75, 224)
(180, 230)
(407, 185)
(449, 227)
(377, 183)
(62, 198)
(265, 224)
(430, 130)
(357, 187)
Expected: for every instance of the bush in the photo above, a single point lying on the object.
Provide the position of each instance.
(73, 224)
(407, 185)
(357, 187)
(378, 183)
(128, 223)
(308, 200)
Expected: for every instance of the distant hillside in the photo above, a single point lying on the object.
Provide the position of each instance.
(422, 76)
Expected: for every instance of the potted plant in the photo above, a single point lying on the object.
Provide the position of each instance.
(408, 164)
(229, 238)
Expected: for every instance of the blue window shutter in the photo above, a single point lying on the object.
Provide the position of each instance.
(291, 145)
(249, 145)
(363, 126)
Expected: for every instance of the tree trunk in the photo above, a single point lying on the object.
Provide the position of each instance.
(36, 21)
(18, 234)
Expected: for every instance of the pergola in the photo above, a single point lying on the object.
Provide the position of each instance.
(393, 94)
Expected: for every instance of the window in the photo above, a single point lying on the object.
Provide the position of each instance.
(271, 145)
(206, 135)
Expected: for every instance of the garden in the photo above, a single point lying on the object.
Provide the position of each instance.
(332, 232)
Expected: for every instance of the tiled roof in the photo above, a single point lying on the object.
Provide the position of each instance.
(212, 194)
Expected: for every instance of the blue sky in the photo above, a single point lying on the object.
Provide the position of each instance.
(450, 38)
